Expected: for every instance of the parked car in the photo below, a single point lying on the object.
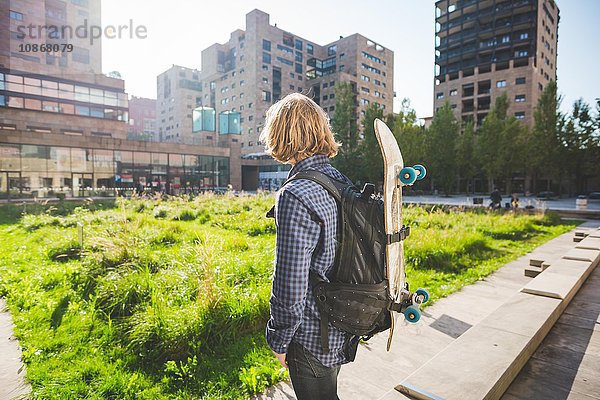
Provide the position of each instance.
(547, 195)
(594, 196)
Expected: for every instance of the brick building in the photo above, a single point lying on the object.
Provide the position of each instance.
(63, 124)
(485, 48)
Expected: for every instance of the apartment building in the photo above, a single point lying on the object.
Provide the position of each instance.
(241, 78)
(64, 125)
(142, 118)
(485, 48)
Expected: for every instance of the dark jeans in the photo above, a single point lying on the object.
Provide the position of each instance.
(311, 379)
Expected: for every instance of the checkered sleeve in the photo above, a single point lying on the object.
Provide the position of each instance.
(297, 238)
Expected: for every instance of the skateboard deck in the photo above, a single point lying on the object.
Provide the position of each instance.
(392, 203)
(395, 177)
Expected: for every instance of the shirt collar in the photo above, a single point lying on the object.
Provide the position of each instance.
(309, 163)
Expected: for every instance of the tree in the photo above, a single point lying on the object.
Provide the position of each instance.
(544, 144)
(345, 130)
(441, 148)
(578, 136)
(409, 135)
(371, 161)
(465, 156)
(499, 144)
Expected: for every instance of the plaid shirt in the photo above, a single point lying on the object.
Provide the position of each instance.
(306, 219)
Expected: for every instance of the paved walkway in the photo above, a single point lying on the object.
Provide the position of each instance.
(567, 363)
(12, 371)
(566, 204)
(377, 372)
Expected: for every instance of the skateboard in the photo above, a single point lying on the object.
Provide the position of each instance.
(396, 175)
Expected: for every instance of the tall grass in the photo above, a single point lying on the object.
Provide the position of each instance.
(168, 299)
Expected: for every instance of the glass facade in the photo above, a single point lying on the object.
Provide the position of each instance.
(56, 96)
(45, 171)
(203, 119)
(229, 123)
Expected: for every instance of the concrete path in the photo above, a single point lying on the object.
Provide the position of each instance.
(567, 363)
(376, 372)
(12, 371)
(565, 204)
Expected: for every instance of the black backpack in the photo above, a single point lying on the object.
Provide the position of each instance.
(356, 300)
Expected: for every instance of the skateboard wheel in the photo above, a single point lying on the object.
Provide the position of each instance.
(412, 314)
(424, 293)
(421, 171)
(408, 175)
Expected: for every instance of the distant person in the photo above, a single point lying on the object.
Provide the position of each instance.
(496, 199)
(297, 132)
(514, 201)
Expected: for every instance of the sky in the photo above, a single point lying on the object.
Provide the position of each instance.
(178, 30)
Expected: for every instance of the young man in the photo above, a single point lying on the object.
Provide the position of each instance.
(297, 132)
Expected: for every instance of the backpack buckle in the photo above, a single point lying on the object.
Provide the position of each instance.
(398, 236)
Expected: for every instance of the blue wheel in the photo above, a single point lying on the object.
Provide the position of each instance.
(408, 175)
(412, 314)
(424, 293)
(421, 171)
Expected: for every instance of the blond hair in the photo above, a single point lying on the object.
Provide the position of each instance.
(297, 128)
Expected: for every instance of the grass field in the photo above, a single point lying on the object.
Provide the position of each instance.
(168, 299)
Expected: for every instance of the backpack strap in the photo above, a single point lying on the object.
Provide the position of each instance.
(333, 186)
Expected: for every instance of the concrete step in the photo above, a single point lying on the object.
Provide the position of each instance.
(482, 362)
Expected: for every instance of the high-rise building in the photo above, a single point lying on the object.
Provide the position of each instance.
(240, 79)
(178, 93)
(50, 71)
(142, 118)
(263, 63)
(485, 48)
(64, 125)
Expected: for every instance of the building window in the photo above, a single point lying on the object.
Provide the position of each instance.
(242, 83)
(17, 16)
(505, 39)
(266, 96)
(266, 45)
(325, 97)
(439, 95)
(520, 115)
(265, 80)
(332, 50)
(265, 67)
(81, 55)
(292, 87)
(288, 39)
(500, 84)
(524, 36)
(520, 81)
(249, 105)
(309, 48)
(266, 58)
(298, 56)
(364, 102)
(365, 78)
(520, 98)
(521, 53)
(298, 68)
(298, 44)
(365, 90)
(453, 92)
(325, 85)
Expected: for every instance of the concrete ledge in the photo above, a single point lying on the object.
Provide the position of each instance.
(483, 362)
(486, 358)
(582, 255)
(562, 280)
(589, 243)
